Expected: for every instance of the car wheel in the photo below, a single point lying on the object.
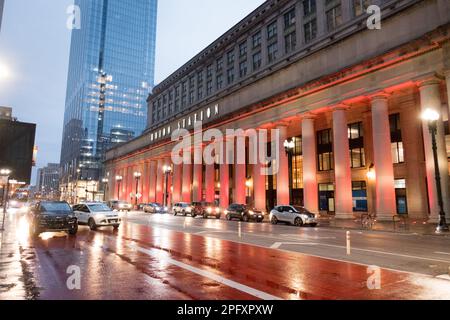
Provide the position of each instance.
(193, 215)
(205, 216)
(34, 231)
(298, 222)
(245, 218)
(92, 225)
(313, 225)
(274, 220)
(228, 217)
(73, 231)
(218, 217)
(116, 227)
(260, 220)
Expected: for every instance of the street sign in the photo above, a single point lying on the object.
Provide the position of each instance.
(139, 196)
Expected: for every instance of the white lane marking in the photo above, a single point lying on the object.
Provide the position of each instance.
(207, 274)
(446, 253)
(444, 277)
(277, 245)
(293, 235)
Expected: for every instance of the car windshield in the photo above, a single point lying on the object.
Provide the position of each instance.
(55, 207)
(99, 207)
(155, 205)
(300, 209)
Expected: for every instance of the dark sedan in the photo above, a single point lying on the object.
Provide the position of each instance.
(244, 213)
(52, 216)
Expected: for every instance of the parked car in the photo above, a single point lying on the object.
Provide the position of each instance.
(155, 208)
(96, 215)
(205, 209)
(182, 208)
(52, 216)
(120, 205)
(244, 213)
(295, 215)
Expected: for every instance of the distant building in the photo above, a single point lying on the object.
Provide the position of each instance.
(111, 72)
(47, 182)
(2, 3)
(16, 145)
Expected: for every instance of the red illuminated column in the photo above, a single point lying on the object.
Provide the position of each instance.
(152, 181)
(197, 185)
(283, 169)
(145, 183)
(385, 205)
(130, 183)
(177, 179)
(187, 182)
(160, 181)
(430, 97)
(240, 175)
(210, 182)
(342, 170)
(259, 184)
(224, 175)
(310, 164)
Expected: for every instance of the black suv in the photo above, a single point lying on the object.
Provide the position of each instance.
(205, 209)
(244, 213)
(52, 216)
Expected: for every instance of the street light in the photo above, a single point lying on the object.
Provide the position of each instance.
(137, 177)
(432, 117)
(371, 172)
(167, 172)
(119, 180)
(289, 147)
(5, 173)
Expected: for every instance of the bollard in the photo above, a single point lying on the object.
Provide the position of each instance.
(240, 230)
(349, 250)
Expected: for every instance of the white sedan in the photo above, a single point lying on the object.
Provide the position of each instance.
(96, 215)
(295, 215)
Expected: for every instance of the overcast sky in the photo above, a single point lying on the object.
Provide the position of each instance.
(34, 45)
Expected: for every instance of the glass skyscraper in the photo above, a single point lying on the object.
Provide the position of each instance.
(111, 72)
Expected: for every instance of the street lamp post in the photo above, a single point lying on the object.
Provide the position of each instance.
(432, 117)
(167, 171)
(289, 146)
(119, 180)
(5, 173)
(105, 187)
(137, 177)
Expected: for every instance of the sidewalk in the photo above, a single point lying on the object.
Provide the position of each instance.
(409, 226)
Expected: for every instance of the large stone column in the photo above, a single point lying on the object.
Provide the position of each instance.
(177, 181)
(385, 204)
(447, 82)
(145, 182)
(430, 97)
(240, 172)
(283, 169)
(187, 183)
(197, 185)
(152, 181)
(224, 175)
(311, 191)
(342, 170)
(210, 182)
(160, 181)
(259, 184)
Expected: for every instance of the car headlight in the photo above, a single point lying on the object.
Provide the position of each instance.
(209, 210)
(13, 203)
(217, 210)
(166, 209)
(225, 211)
(121, 205)
(189, 209)
(101, 216)
(251, 212)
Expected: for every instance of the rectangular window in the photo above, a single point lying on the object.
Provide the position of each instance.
(219, 82)
(200, 92)
(243, 49)
(272, 51)
(359, 191)
(397, 150)
(309, 7)
(334, 18)
(290, 42)
(257, 61)
(289, 19)
(219, 64)
(209, 87)
(230, 57)
(356, 142)
(325, 150)
(243, 69)
(360, 7)
(230, 75)
(272, 30)
(256, 39)
(191, 97)
(209, 71)
(310, 30)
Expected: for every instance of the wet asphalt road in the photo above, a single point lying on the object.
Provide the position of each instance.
(165, 257)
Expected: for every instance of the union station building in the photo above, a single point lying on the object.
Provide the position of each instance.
(347, 97)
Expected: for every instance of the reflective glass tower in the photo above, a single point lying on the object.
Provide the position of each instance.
(111, 71)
